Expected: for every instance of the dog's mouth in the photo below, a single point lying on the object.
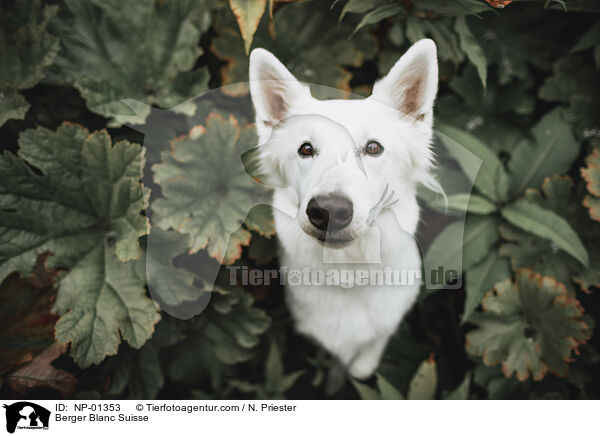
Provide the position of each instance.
(331, 240)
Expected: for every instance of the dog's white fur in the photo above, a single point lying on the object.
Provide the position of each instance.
(354, 324)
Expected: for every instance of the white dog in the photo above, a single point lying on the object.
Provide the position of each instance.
(346, 174)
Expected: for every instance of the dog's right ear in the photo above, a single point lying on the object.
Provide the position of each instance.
(273, 88)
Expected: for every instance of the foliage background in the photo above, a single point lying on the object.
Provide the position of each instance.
(519, 85)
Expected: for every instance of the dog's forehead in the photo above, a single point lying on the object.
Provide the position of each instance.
(312, 125)
(356, 116)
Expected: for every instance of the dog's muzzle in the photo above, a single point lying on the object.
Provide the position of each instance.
(330, 213)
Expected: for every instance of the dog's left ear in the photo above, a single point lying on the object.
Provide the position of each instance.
(411, 85)
(273, 88)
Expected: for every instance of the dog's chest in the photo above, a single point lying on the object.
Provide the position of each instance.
(344, 320)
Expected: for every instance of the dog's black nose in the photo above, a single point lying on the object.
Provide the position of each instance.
(332, 212)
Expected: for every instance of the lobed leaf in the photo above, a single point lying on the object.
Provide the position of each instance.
(83, 205)
(226, 333)
(206, 165)
(27, 49)
(113, 51)
(591, 175)
(530, 325)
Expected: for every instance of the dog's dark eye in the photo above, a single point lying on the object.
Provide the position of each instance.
(373, 148)
(306, 149)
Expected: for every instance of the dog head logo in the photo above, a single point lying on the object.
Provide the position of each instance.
(26, 415)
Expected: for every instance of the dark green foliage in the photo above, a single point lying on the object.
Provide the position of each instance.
(519, 88)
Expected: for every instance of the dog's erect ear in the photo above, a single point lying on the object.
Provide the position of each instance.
(411, 84)
(273, 88)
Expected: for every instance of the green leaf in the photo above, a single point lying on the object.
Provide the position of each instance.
(424, 383)
(207, 165)
(248, 14)
(576, 83)
(225, 333)
(462, 391)
(446, 39)
(273, 368)
(495, 116)
(146, 53)
(135, 374)
(472, 48)
(378, 14)
(101, 301)
(481, 278)
(553, 152)
(481, 234)
(463, 202)
(169, 282)
(13, 105)
(546, 224)
(276, 382)
(27, 49)
(359, 6)
(83, 206)
(526, 250)
(293, 31)
(455, 8)
(414, 31)
(365, 392)
(531, 326)
(461, 245)
(492, 179)
(589, 39)
(235, 326)
(396, 34)
(387, 390)
(446, 249)
(591, 175)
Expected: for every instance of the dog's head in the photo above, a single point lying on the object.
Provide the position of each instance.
(346, 160)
